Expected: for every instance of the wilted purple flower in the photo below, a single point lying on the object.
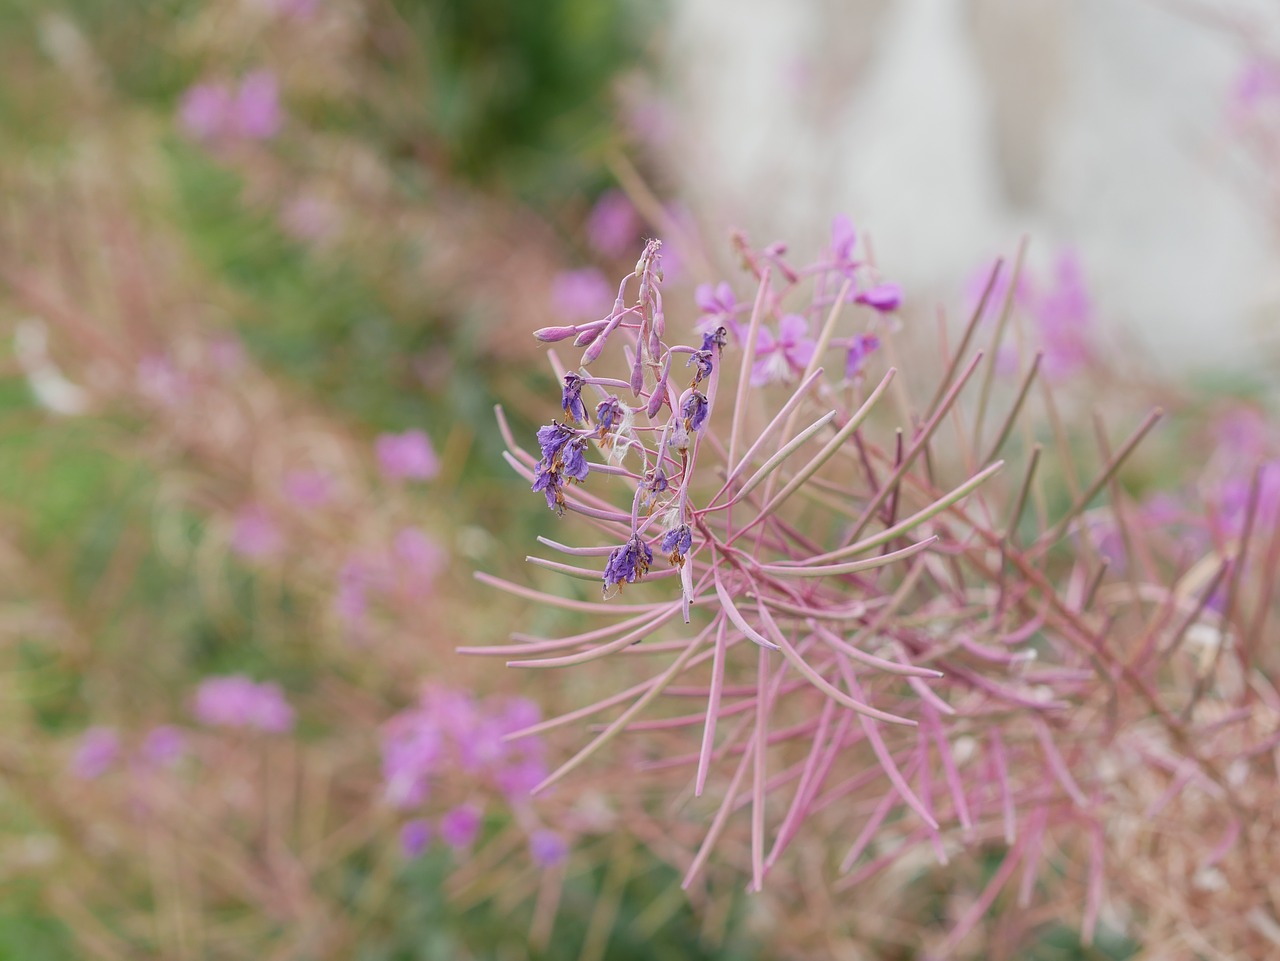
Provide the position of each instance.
(780, 359)
(238, 702)
(694, 410)
(547, 848)
(861, 347)
(551, 438)
(581, 294)
(571, 398)
(573, 459)
(407, 456)
(98, 750)
(205, 111)
(256, 112)
(610, 414)
(628, 563)
(415, 835)
(703, 359)
(613, 224)
(676, 543)
(308, 488)
(254, 534)
(459, 827)
(164, 746)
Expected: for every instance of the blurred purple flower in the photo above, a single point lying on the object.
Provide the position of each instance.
(1259, 80)
(256, 111)
(861, 347)
(236, 701)
(780, 359)
(98, 750)
(885, 298)
(613, 224)
(581, 294)
(205, 111)
(254, 534)
(460, 827)
(407, 456)
(415, 835)
(844, 239)
(163, 746)
(308, 488)
(420, 556)
(547, 848)
(1064, 314)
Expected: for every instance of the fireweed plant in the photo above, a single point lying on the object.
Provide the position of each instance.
(900, 663)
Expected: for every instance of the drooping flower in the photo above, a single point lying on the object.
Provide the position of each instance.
(860, 348)
(694, 410)
(676, 544)
(571, 398)
(628, 563)
(780, 359)
(97, 752)
(703, 369)
(407, 456)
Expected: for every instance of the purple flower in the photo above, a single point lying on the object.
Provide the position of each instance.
(308, 488)
(412, 751)
(98, 750)
(551, 438)
(885, 298)
(581, 294)
(715, 338)
(164, 746)
(703, 359)
(610, 413)
(254, 534)
(694, 410)
(628, 563)
(1064, 314)
(862, 346)
(571, 398)
(718, 307)
(238, 702)
(613, 224)
(407, 456)
(676, 543)
(779, 359)
(459, 827)
(415, 835)
(204, 111)
(573, 459)
(1258, 81)
(547, 848)
(256, 112)
(843, 241)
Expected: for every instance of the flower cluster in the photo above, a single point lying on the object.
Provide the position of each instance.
(216, 113)
(236, 701)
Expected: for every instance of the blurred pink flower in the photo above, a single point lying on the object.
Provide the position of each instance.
(460, 827)
(548, 848)
(407, 456)
(613, 225)
(308, 488)
(419, 556)
(98, 750)
(780, 359)
(256, 111)
(160, 382)
(205, 111)
(415, 835)
(581, 294)
(254, 534)
(163, 746)
(236, 701)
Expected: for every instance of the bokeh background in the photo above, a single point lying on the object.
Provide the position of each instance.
(266, 267)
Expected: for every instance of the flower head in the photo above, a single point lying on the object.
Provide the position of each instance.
(694, 410)
(407, 456)
(780, 359)
(238, 702)
(98, 750)
(581, 294)
(676, 544)
(628, 563)
(460, 827)
(613, 224)
(571, 398)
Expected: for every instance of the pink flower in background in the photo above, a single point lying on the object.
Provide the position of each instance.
(254, 534)
(236, 701)
(844, 240)
(308, 488)
(407, 456)
(310, 218)
(460, 827)
(160, 382)
(779, 359)
(98, 751)
(1064, 314)
(581, 294)
(613, 225)
(205, 111)
(256, 111)
(547, 848)
(419, 556)
(885, 298)
(415, 835)
(226, 353)
(163, 746)
(1257, 82)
